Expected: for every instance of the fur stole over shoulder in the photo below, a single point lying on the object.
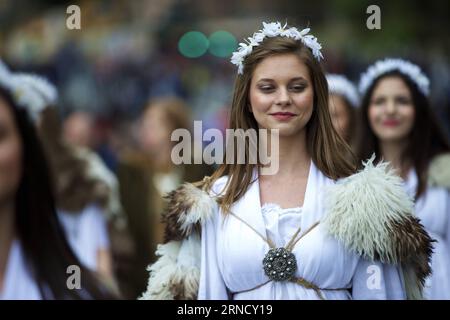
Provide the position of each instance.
(372, 215)
(176, 274)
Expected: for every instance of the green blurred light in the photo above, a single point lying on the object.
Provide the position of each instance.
(222, 44)
(193, 44)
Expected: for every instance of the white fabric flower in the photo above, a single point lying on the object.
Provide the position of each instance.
(258, 37)
(291, 33)
(272, 29)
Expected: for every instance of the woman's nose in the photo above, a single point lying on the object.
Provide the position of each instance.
(283, 97)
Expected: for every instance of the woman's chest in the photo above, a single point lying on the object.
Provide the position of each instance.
(318, 256)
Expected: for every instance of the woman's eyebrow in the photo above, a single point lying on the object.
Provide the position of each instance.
(265, 80)
(298, 78)
(290, 80)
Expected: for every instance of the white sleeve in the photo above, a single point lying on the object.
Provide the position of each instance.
(99, 228)
(447, 230)
(212, 286)
(377, 281)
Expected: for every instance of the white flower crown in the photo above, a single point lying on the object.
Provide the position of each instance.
(270, 30)
(406, 68)
(32, 92)
(340, 85)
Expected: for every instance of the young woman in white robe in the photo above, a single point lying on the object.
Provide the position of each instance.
(34, 253)
(232, 254)
(323, 230)
(398, 124)
(84, 189)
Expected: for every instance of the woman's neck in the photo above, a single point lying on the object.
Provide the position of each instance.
(161, 160)
(392, 151)
(6, 237)
(292, 155)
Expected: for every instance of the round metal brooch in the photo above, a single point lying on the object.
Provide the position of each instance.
(279, 264)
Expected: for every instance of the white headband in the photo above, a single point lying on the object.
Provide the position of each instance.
(271, 30)
(29, 91)
(387, 65)
(340, 85)
(36, 92)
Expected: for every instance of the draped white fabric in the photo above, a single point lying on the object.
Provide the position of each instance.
(232, 253)
(86, 232)
(18, 283)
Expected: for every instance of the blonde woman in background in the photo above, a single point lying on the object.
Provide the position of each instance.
(343, 103)
(148, 174)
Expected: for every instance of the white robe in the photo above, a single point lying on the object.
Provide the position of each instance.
(232, 254)
(433, 209)
(87, 233)
(18, 283)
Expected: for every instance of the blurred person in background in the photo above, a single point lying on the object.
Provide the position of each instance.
(83, 197)
(398, 125)
(81, 130)
(343, 103)
(148, 174)
(78, 129)
(34, 251)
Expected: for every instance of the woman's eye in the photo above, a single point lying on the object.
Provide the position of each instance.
(266, 88)
(403, 100)
(298, 88)
(378, 102)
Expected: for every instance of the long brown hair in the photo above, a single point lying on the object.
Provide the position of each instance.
(329, 152)
(426, 139)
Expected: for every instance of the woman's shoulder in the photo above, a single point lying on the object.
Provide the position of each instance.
(372, 215)
(439, 171)
(189, 206)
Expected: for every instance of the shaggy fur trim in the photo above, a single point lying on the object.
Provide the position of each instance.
(372, 215)
(176, 274)
(439, 171)
(188, 206)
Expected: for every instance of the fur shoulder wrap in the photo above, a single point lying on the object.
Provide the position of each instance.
(373, 216)
(368, 211)
(176, 274)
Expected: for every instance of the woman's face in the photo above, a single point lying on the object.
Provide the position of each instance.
(282, 94)
(10, 154)
(155, 130)
(391, 110)
(340, 114)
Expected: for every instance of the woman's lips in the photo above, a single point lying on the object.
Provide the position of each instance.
(391, 123)
(283, 116)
